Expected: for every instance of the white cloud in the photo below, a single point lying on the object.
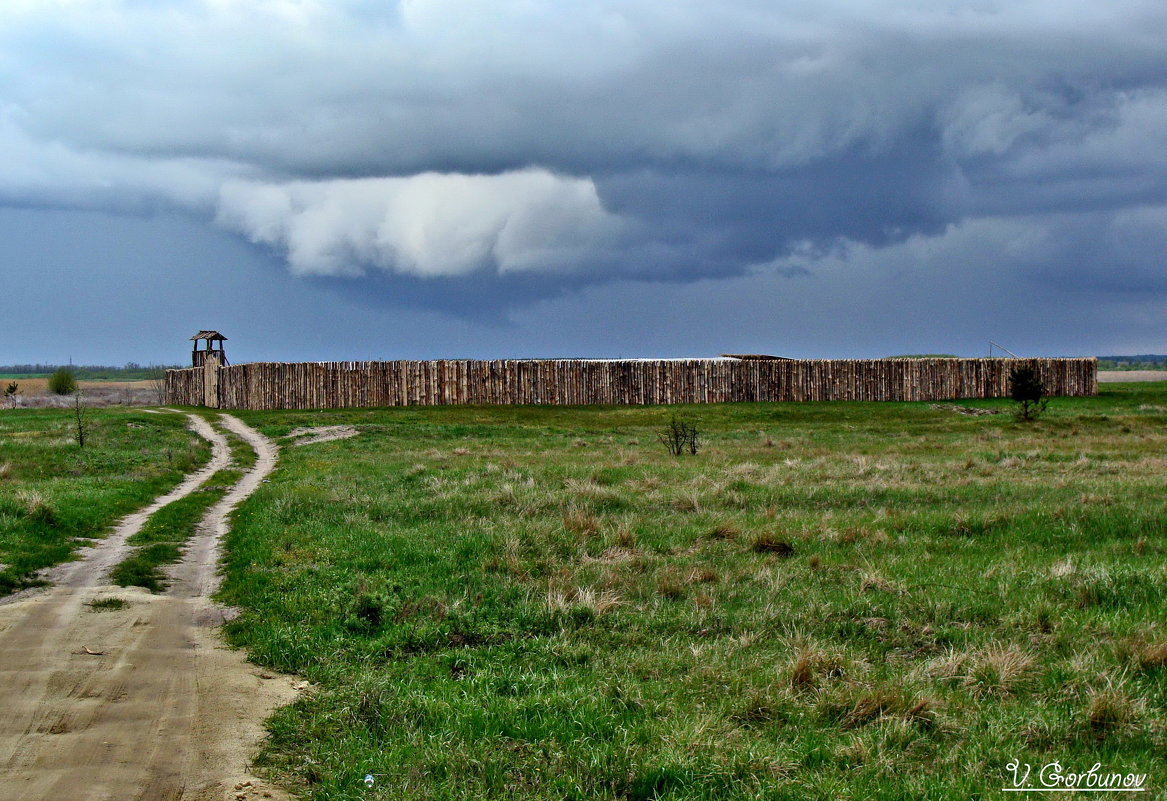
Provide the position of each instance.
(425, 225)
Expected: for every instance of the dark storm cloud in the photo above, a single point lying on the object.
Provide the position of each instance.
(474, 157)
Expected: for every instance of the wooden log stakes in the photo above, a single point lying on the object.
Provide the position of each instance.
(334, 385)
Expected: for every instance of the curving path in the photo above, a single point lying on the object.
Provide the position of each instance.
(143, 702)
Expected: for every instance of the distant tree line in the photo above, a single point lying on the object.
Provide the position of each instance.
(1146, 361)
(131, 371)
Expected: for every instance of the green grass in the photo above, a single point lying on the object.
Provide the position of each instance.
(107, 604)
(830, 600)
(161, 538)
(54, 495)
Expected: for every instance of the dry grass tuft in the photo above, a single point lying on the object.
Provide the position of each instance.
(36, 508)
(580, 521)
(768, 542)
(723, 531)
(613, 555)
(995, 671)
(999, 670)
(1152, 657)
(625, 538)
(870, 581)
(670, 584)
(599, 603)
(646, 484)
(688, 502)
(703, 600)
(1109, 712)
(855, 706)
(505, 496)
(509, 561)
(812, 665)
(703, 575)
(589, 490)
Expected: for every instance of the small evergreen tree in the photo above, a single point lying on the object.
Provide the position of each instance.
(1028, 391)
(81, 417)
(62, 382)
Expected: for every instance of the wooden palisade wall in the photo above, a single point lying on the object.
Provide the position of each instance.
(332, 385)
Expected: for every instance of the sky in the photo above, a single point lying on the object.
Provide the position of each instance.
(350, 179)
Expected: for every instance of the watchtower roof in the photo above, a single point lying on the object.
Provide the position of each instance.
(209, 335)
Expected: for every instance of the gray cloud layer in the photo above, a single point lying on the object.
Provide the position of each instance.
(596, 142)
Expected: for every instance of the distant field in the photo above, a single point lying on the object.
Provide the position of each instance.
(40, 386)
(130, 372)
(1112, 376)
(833, 600)
(35, 392)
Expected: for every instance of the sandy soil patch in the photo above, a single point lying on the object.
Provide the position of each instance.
(312, 436)
(142, 701)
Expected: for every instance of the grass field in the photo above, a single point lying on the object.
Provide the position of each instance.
(832, 600)
(55, 495)
(828, 601)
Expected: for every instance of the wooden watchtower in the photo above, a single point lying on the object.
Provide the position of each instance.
(199, 356)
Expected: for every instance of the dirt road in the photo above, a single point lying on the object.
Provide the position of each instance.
(142, 702)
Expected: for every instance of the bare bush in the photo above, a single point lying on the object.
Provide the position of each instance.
(680, 437)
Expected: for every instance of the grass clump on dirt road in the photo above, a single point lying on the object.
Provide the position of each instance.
(108, 604)
(161, 539)
(54, 495)
(830, 600)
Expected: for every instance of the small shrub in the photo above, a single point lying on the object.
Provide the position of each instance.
(1027, 391)
(81, 419)
(10, 393)
(62, 382)
(680, 437)
(370, 607)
